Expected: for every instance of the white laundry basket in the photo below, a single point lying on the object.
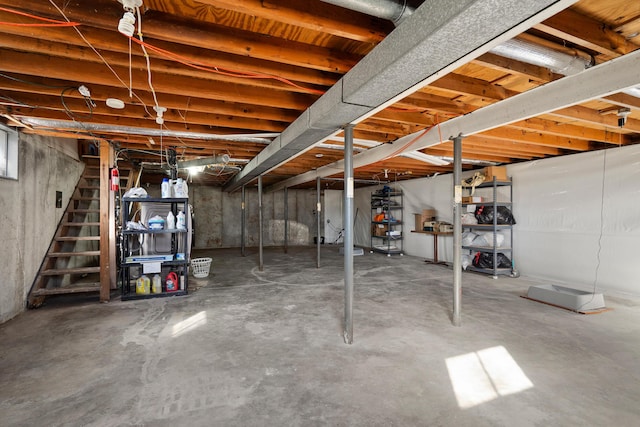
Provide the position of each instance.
(200, 267)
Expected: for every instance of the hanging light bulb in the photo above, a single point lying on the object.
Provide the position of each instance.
(127, 25)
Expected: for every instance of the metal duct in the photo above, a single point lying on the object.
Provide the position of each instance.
(259, 138)
(531, 53)
(428, 44)
(520, 50)
(205, 161)
(392, 10)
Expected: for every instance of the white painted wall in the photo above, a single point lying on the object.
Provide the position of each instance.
(578, 218)
(333, 216)
(28, 216)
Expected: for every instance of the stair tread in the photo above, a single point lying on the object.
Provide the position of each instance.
(76, 238)
(84, 210)
(65, 290)
(80, 224)
(63, 271)
(70, 254)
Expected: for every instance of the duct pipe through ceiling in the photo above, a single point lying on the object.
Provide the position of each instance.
(391, 10)
(520, 50)
(260, 138)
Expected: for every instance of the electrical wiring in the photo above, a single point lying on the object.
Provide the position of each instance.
(9, 101)
(69, 112)
(220, 70)
(50, 22)
(146, 57)
(598, 261)
(19, 80)
(102, 59)
(414, 140)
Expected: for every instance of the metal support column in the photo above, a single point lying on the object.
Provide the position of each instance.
(318, 214)
(348, 234)
(457, 229)
(261, 261)
(243, 223)
(286, 219)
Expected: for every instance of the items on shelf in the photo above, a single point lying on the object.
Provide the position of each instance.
(487, 228)
(160, 250)
(386, 221)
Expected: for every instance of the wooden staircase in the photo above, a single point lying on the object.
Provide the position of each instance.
(72, 262)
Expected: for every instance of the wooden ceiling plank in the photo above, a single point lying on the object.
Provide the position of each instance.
(472, 86)
(588, 115)
(587, 32)
(568, 130)
(203, 35)
(137, 62)
(32, 64)
(624, 100)
(322, 17)
(427, 101)
(38, 38)
(469, 152)
(535, 72)
(124, 121)
(79, 107)
(536, 138)
(405, 117)
(32, 93)
(506, 148)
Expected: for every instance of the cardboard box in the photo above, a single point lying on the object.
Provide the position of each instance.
(418, 219)
(427, 215)
(378, 230)
(500, 172)
(471, 199)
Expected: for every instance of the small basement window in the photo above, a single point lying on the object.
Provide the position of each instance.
(8, 153)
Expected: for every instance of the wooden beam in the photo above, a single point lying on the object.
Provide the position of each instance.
(458, 84)
(481, 145)
(41, 39)
(623, 100)
(404, 117)
(103, 114)
(587, 32)
(158, 64)
(181, 105)
(32, 64)
(105, 223)
(585, 114)
(426, 101)
(313, 15)
(535, 72)
(97, 119)
(476, 155)
(568, 130)
(200, 34)
(536, 138)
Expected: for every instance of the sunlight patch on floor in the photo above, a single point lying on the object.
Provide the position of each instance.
(485, 375)
(189, 324)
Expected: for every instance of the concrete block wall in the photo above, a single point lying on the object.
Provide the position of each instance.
(28, 216)
(217, 217)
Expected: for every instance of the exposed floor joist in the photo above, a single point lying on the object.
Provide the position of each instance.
(599, 81)
(398, 66)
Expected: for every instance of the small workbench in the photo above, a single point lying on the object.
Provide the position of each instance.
(435, 235)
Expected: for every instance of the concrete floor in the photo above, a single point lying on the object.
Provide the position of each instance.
(251, 348)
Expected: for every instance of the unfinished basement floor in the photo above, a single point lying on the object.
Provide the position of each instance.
(251, 348)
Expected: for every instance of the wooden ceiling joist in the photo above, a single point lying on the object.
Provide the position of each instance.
(312, 44)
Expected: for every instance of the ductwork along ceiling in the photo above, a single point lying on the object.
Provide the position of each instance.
(270, 84)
